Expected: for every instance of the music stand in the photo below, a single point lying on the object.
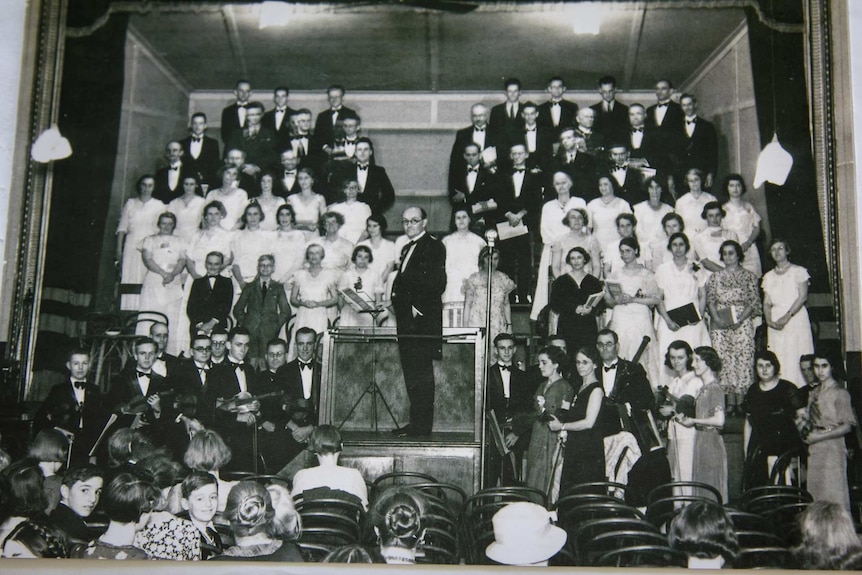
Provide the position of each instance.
(373, 388)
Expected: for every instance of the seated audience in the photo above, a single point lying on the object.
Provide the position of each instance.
(325, 443)
(703, 531)
(80, 493)
(524, 535)
(829, 538)
(34, 540)
(208, 453)
(396, 519)
(200, 502)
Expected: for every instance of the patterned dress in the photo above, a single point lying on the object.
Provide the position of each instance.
(829, 407)
(475, 286)
(551, 398)
(795, 339)
(710, 455)
(172, 538)
(735, 289)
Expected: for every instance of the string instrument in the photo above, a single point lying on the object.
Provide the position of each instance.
(684, 404)
(138, 404)
(242, 401)
(623, 370)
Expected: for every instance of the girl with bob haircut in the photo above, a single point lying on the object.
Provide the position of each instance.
(704, 532)
(50, 448)
(829, 538)
(208, 452)
(34, 540)
(23, 496)
(395, 518)
(128, 502)
(251, 515)
(325, 443)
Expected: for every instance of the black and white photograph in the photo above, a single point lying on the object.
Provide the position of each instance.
(443, 282)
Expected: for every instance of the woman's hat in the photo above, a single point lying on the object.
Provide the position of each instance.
(523, 534)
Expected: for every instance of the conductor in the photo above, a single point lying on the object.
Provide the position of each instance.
(416, 298)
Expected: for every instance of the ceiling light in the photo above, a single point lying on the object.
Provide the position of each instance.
(273, 14)
(587, 17)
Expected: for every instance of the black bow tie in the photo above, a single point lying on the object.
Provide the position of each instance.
(637, 130)
(174, 168)
(303, 365)
(240, 366)
(142, 374)
(290, 173)
(277, 111)
(478, 129)
(299, 138)
(505, 367)
(473, 170)
(531, 129)
(196, 139)
(663, 105)
(521, 170)
(362, 168)
(79, 384)
(242, 105)
(555, 104)
(619, 168)
(691, 121)
(610, 367)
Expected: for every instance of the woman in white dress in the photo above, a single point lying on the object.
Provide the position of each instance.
(785, 290)
(360, 278)
(288, 248)
(553, 227)
(650, 213)
(248, 245)
(233, 198)
(604, 210)
(189, 209)
(690, 205)
(314, 295)
(707, 244)
(308, 206)
(382, 249)
(268, 202)
(670, 224)
(462, 257)
(338, 250)
(164, 256)
(354, 212)
(632, 307)
(679, 285)
(138, 220)
(627, 225)
(743, 220)
(578, 236)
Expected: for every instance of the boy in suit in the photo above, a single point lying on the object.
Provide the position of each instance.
(210, 298)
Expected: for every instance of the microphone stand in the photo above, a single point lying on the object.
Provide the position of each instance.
(491, 238)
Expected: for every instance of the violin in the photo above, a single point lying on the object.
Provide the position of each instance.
(138, 405)
(684, 404)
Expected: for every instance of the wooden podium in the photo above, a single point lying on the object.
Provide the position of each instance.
(453, 452)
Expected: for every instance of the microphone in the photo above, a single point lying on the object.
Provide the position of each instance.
(491, 237)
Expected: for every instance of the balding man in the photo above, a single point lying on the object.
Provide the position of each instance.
(476, 133)
(416, 298)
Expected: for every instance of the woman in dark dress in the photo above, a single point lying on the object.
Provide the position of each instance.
(769, 407)
(585, 453)
(576, 321)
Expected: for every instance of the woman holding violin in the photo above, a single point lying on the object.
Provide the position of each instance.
(684, 387)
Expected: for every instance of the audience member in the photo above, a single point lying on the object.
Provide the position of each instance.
(829, 537)
(703, 531)
(396, 520)
(524, 535)
(80, 493)
(328, 476)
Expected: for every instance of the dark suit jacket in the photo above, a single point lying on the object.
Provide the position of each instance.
(631, 189)
(125, 388)
(61, 409)
(597, 143)
(582, 170)
(163, 190)
(303, 411)
(378, 193)
(545, 138)
(207, 164)
(464, 136)
(505, 129)
(206, 303)
(282, 133)
(655, 148)
(701, 149)
(324, 129)
(260, 150)
(282, 190)
(673, 121)
(458, 183)
(262, 315)
(630, 386)
(420, 285)
(267, 382)
(186, 379)
(229, 122)
(520, 397)
(222, 383)
(530, 199)
(568, 111)
(612, 125)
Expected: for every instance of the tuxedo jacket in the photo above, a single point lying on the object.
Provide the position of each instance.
(568, 111)
(282, 189)
(61, 409)
(420, 285)
(655, 148)
(282, 133)
(302, 410)
(597, 143)
(378, 193)
(324, 129)
(458, 183)
(262, 314)
(464, 136)
(673, 122)
(206, 303)
(613, 124)
(222, 383)
(631, 190)
(72, 525)
(520, 397)
(582, 171)
(630, 386)
(249, 184)
(163, 189)
(229, 122)
(530, 199)
(207, 164)
(171, 362)
(186, 380)
(260, 150)
(267, 382)
(125, 388)
(504, 128)
(313, 157)
(701, 149)
(545, 138)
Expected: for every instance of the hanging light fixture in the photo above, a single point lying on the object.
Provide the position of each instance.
(50, 146)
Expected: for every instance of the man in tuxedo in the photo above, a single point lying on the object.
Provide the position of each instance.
(287, 183)
(343, 148)
(626, 384)
(509, 395)
(201, 152)
(262, 308)
(625, 174)
(278, 119)
(210, 298)
(257, 141)
(584, 128)
(573, 159)
(469, 182)
(416, 298)
(164, 362)
(698, 141)
(557, 113)
(224, 381)
(519, 201)
(327, 127)
(538, 139)
(79, 495)
(189, 379)
(649, 146)
(218, 338)
(75, 406)
(308, 147)
(665, 114)
(169, 179)
(477, 133)
(138, 381)
(247, 174)
(233, 117)
(375, 188)
(612, 117)
(506, 120)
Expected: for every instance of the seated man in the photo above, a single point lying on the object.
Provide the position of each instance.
(275, 443)
(79, 496)
(164, 361)
(301, 380)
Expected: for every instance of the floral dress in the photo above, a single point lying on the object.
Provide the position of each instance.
(735, 289)
(551, 398)
(173, 538)
(475, 286)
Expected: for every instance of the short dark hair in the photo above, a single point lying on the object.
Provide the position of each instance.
(579, 250)
(128, 496)
(338, 87)
(591, 352)
(141, 181)
(281, 88)
(76, 474)
(556, 78)
(503, 337)
(710, 357)
(673, 216)
(207, 451)
(631, 243)
(609, 332)
(77, 351)
(324, 439)
(358, 249)
(195, 480)
(25, 495)
(276, 341)
(41, 538)
(512, 82)
(380, 220)
(733, 178)
(608, 80)
(626, 216)
(768, 355)
(145, 341)
(238, 330)
(714, 205)
(669, 83)
(49, 445)
(199, 115)
(678, 344)
(704, 529)
(304, 331)
(529, 104)
(285, 208)
(256, 105)
(736, 247)
(556, 355)
(679, 235)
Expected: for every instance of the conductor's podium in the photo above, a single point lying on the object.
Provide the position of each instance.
(358, 361)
